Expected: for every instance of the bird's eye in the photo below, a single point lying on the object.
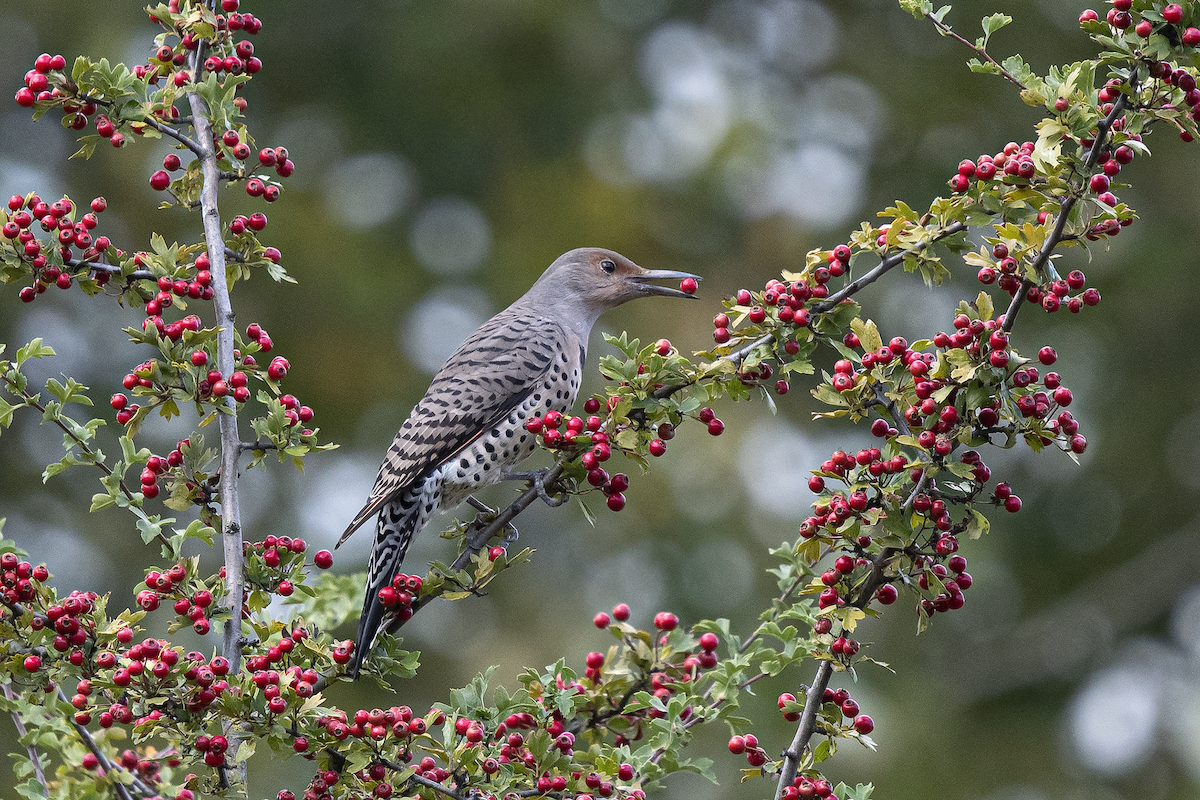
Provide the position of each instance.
(608, 266)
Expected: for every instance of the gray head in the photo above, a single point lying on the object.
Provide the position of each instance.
(588, 280)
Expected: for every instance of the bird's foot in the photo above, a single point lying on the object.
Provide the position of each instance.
(486, 516)
(538, 479)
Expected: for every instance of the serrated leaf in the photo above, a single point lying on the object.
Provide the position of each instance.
(868, 334)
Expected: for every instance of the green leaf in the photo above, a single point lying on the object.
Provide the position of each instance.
(868, 334)
(978, 525)
(35, 349)
(994, 23)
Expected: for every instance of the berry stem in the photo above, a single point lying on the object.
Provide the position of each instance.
(804, 731)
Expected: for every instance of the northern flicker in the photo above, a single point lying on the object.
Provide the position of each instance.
(469, 428)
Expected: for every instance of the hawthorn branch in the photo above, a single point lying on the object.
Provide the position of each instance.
(808, 724)
(946, 30)
(866, 279)
(885, 266)
(89, 742)
(1103, 129)
(230, 438)
(34, 756)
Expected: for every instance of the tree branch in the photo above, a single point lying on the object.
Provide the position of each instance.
(230, 439)
(808, 724)
(883, 267)
(1103, 128)
(946, 30)
(34, 756)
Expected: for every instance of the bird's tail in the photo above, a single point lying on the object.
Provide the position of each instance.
(398, 522)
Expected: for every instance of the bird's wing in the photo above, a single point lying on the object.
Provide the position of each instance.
(493, 371)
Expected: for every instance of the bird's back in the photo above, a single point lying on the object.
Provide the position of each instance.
(517, 357)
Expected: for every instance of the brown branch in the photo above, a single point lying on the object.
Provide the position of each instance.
(946, 30)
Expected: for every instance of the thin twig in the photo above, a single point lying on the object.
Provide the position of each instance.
(946, 30)
(31, 402)
(34, 756)
(884, 266)
(167, 130)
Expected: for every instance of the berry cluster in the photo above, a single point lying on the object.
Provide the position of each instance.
(62, 260)
(1012, 165)
(950, 580)
(191, 597)
(19, 578)
(594, 443)
(779, 302)
(748, 745)
(1071, 292)
(400, 596)
(145, 768)
(274, 564)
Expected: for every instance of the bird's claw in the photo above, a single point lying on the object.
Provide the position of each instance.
(538, 479)
(486, 515)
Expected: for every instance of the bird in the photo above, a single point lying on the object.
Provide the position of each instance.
(468, 430)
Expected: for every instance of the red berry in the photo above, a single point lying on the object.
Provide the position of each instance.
(601, 620)
(688, 286)
(666, 621)
(323, 559)
(621, 612)
(737, 745)
(160, 180)
(864, 724)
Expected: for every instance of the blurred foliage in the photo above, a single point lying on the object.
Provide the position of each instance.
(495, 103)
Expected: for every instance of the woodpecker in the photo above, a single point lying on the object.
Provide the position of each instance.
(469, 428)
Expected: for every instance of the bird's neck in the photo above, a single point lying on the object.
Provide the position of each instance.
(575, 318)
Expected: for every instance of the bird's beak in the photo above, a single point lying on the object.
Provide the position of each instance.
(644, 278)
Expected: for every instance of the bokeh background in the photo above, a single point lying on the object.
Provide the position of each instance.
(447, 151)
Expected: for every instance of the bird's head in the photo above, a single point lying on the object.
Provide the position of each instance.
(599, 279)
